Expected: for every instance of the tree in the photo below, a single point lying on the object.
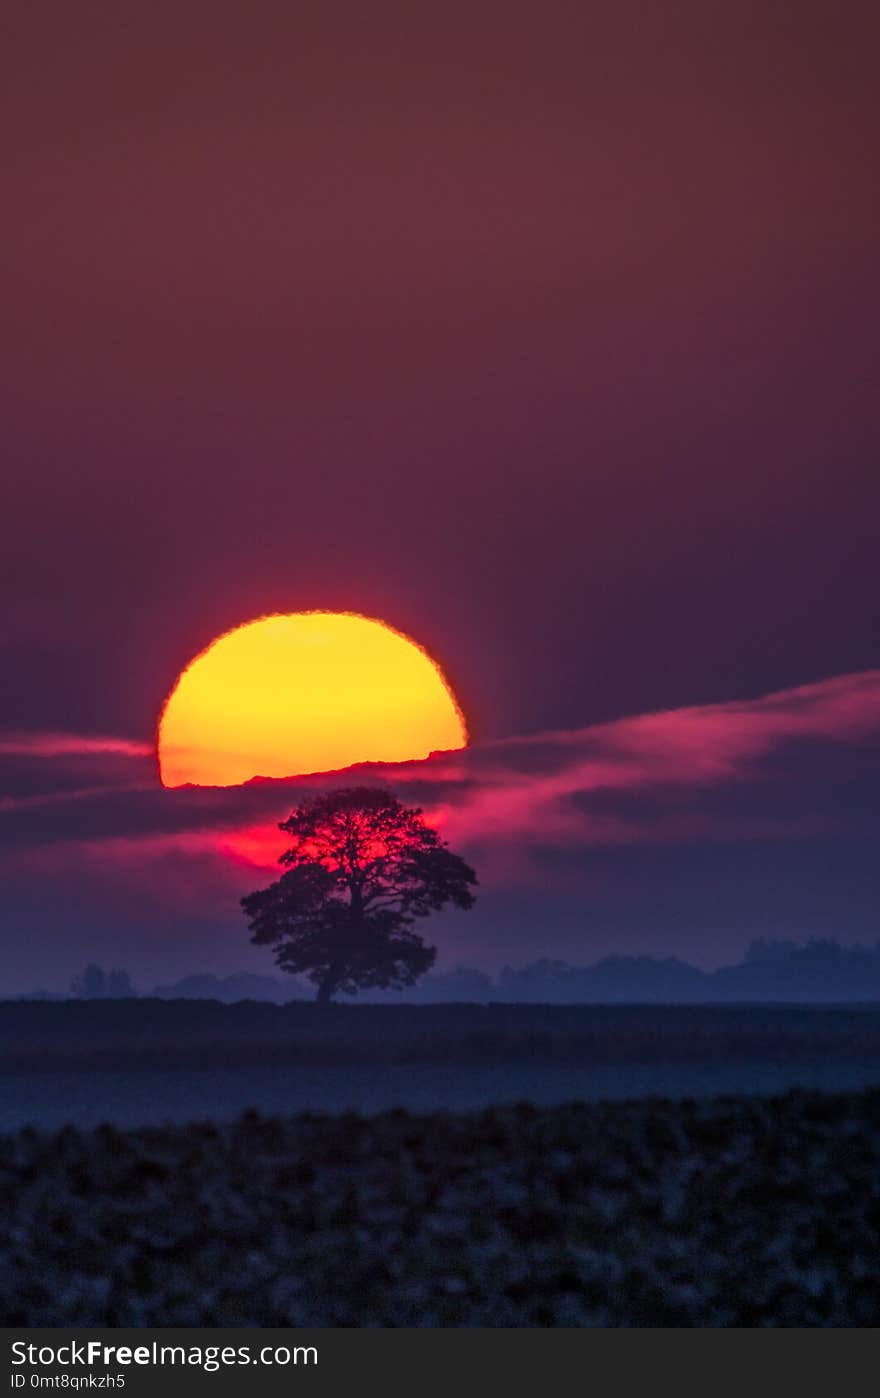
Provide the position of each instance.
(91, 984)
(96, 984)
(361, 869)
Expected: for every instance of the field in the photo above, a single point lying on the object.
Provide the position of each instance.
(736, 1211)
(175, 1034)
(439, 1165)
(142, 1062)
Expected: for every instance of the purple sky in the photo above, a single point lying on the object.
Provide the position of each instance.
(547, 333)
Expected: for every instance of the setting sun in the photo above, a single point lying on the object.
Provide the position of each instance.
(306, 692)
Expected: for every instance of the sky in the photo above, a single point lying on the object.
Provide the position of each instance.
(547, 334)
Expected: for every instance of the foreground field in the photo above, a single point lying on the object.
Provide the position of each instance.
(738, 1211)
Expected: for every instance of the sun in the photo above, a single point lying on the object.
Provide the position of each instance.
(305, 692)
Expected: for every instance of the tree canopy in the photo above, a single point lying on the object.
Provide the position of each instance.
(360, 870)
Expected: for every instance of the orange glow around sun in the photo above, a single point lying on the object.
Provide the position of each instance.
(308, 692)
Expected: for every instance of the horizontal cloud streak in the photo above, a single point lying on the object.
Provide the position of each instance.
(683, 832)
(22, 744)
(536, 789)
(640, 779)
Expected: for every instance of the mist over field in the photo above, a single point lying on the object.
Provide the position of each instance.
(132, 1062)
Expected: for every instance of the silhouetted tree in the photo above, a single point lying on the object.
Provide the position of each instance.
(95, 984)
(90, 984)
(361, 869)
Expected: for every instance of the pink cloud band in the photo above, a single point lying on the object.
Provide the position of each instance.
(665, 776)
(70, 745)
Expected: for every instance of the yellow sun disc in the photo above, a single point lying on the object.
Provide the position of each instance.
(307, 692)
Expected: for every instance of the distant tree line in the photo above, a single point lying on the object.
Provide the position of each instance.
(772, 970)
(816, 970)
(94, 983)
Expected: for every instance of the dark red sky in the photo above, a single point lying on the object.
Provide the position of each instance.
(547, 332)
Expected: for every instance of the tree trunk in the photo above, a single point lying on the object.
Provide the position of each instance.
(327, 988)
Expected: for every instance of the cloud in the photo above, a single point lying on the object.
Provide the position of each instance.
(23, 744)
(49, 767)
(685, 831)
(554, 788)
(677, 775)
(62, 797)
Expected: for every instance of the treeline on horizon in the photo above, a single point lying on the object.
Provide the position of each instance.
(814, 971)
